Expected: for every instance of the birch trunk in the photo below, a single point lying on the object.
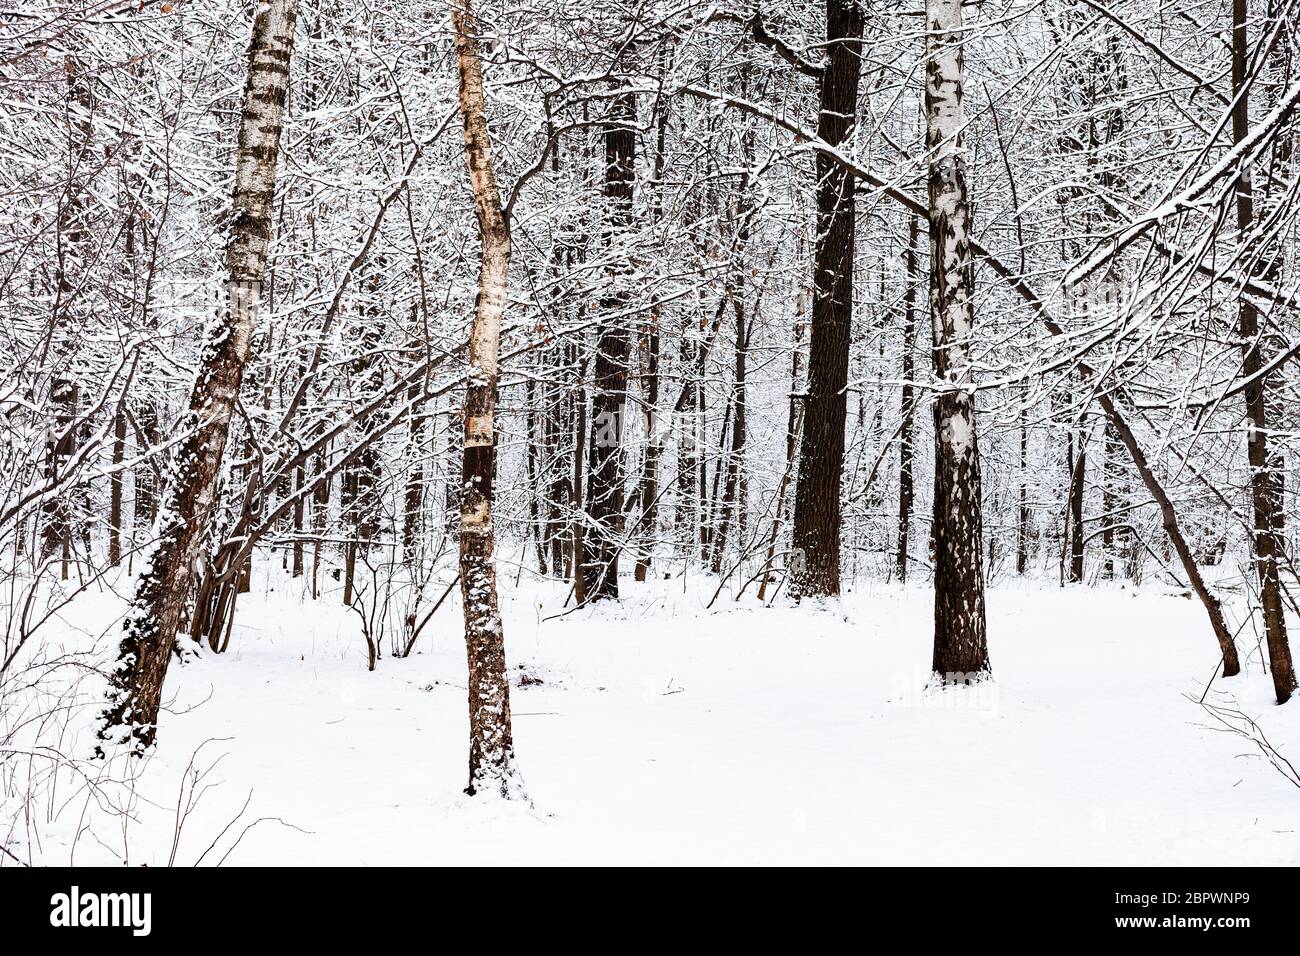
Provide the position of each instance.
(491, 747)
(960, 646)
(155, 612)
(1115, 415)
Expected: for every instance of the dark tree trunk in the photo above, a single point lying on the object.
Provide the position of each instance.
(320, 502)
(732, 496)
(1266, 465)
(1169, 517)
(710, 517)
(115, 487)
(1110, 501)
(821, 456)
(361, 477)
(687, 427)
(908, 410)
(1078, 473)
(650, 466)
(578, 490)
(413, 497)
(609, 386)
(348, 501)
(71, 255)
(559, 424)
(144, 504)
(649, 521)
(1023, 515)
(61, 443)
(535, 449)
(299, 476)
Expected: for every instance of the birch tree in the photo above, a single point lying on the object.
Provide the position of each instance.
(491, 747)
(690, 172)
(960, 645)
(163, 586)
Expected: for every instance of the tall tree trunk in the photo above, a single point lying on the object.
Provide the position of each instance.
(1106, 160)
(535, 485)
(1078, 473)
(413, 498)
(491, 746)
(1169, 515)
(609, 387)
(733, 503)
(360, 498)
(905, 454)
(155, 612)
(320, 504)
(649, 486)
(557, 488)
(687, 426)
(144, 501)
(710, 516)
(1111, 476)
(129, 268)
(960, 644)
(1266, 466)
(115, 486)
(577, 488)
(1022, 491)
(650, 345)
(61, 443)
(72, 253)
(821, 453)
(299, 477)
(557, 404)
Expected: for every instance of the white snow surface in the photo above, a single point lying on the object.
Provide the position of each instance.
(665, 733)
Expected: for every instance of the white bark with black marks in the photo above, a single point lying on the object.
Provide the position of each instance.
(960, 644)
(155, 612)
(491, 746)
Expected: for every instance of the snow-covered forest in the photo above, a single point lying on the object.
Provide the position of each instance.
(825, 431)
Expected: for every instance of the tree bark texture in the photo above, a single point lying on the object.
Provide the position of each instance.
(817, 507)
(605, 494)
(1266, 466)
(491, 745)
(155, 611)
(960, 643)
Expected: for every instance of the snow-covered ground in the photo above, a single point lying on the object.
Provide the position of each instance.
(661, 732)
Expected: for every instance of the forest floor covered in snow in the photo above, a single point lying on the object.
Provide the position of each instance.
(658, 731)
